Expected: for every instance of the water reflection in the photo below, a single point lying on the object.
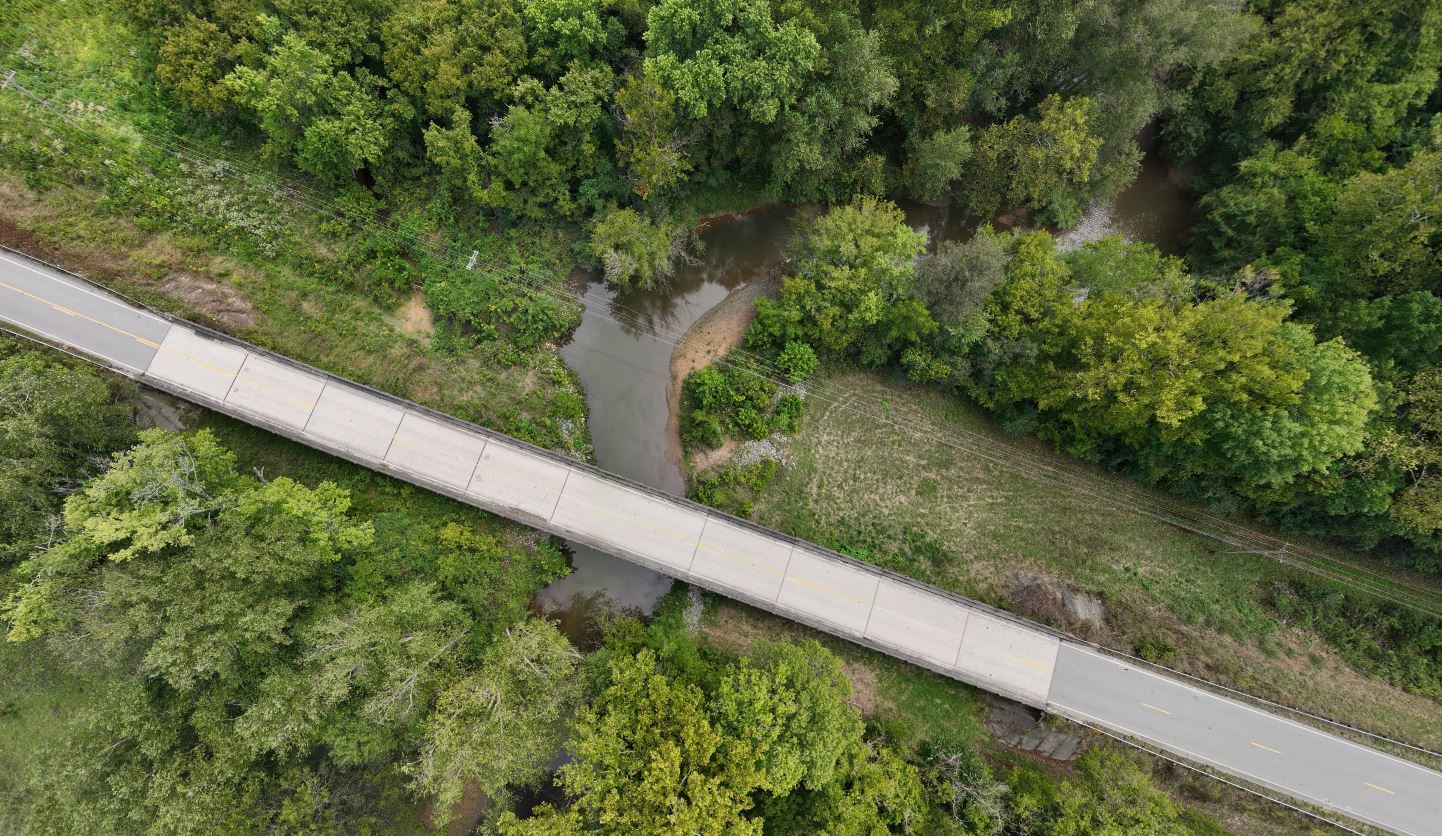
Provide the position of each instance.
(622, 354)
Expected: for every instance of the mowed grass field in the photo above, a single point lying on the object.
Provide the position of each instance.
(979, 528)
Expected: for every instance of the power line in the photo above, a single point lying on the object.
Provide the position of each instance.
(1129, 498)
(1346, 573)
(912, 421)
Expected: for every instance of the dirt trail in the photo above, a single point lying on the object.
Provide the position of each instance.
(717, 332)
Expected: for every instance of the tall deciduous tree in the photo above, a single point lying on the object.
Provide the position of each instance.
(785, 712)
(1046, 163)
(500, 726)
(728, 53)
(853, 280)
(58, 426)
(328, 121)
(447, 54)
(648, 760)
(650, 148)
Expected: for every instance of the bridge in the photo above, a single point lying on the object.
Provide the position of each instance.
(883, 610)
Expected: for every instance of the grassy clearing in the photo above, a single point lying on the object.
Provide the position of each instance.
(238, 255)
(966, 524)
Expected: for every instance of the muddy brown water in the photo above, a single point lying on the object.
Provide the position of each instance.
(622, 354)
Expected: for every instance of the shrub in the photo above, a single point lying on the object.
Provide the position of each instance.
(734, 488)
(786, 417)
(752, 423)
(634, 250)
(797, 361)
(703, 428)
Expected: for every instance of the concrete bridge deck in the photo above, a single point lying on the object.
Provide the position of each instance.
(891, 613)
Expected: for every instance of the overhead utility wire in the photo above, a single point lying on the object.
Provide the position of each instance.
(1049, 473)
(1190, 519)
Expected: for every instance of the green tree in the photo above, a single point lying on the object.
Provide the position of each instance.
(1278, 200)
(267, 658)
(501, 725)
(1385, 233)
(327, 121)
(648, 760)
(1144, 371)
(785, 712)
(853, 279)
(1045, 163)
(961, 785)
(728, 54)
(1112, 795)
(649, 148)
(1400, 335)
(1137, 270)
(956, 281)
(192, 58)
(635, 250)
(935, 162)
(58, 425)
(1267, 444)
(456, 155)
(563, 32)
(1340, 81)
(875, 791)
(1418, 507)
(797, 361)
(823, 150)
(447, 54)
(546, 154)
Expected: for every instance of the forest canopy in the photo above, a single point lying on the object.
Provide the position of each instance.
(574, 107)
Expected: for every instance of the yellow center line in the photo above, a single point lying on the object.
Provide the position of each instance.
(741, 558)
(1154, 708)
(204, 364)
(638, 524)
(823, 588)
(78, 315)
(1032, 663)
(1268, 748)
(1380, 789)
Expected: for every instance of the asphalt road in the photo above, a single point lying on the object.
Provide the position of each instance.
(1265, 749)
(72, 312)
(765, 569)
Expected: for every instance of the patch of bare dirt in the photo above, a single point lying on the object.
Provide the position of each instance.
(154, 408)
(414, 318)
(716, 333)
(865, 690)
(217, 301)
(704, 460)
(1052, 601)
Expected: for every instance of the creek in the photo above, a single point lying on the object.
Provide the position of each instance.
(622, 353)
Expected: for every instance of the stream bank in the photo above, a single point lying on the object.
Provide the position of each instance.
(635, 347)
(622, 352)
